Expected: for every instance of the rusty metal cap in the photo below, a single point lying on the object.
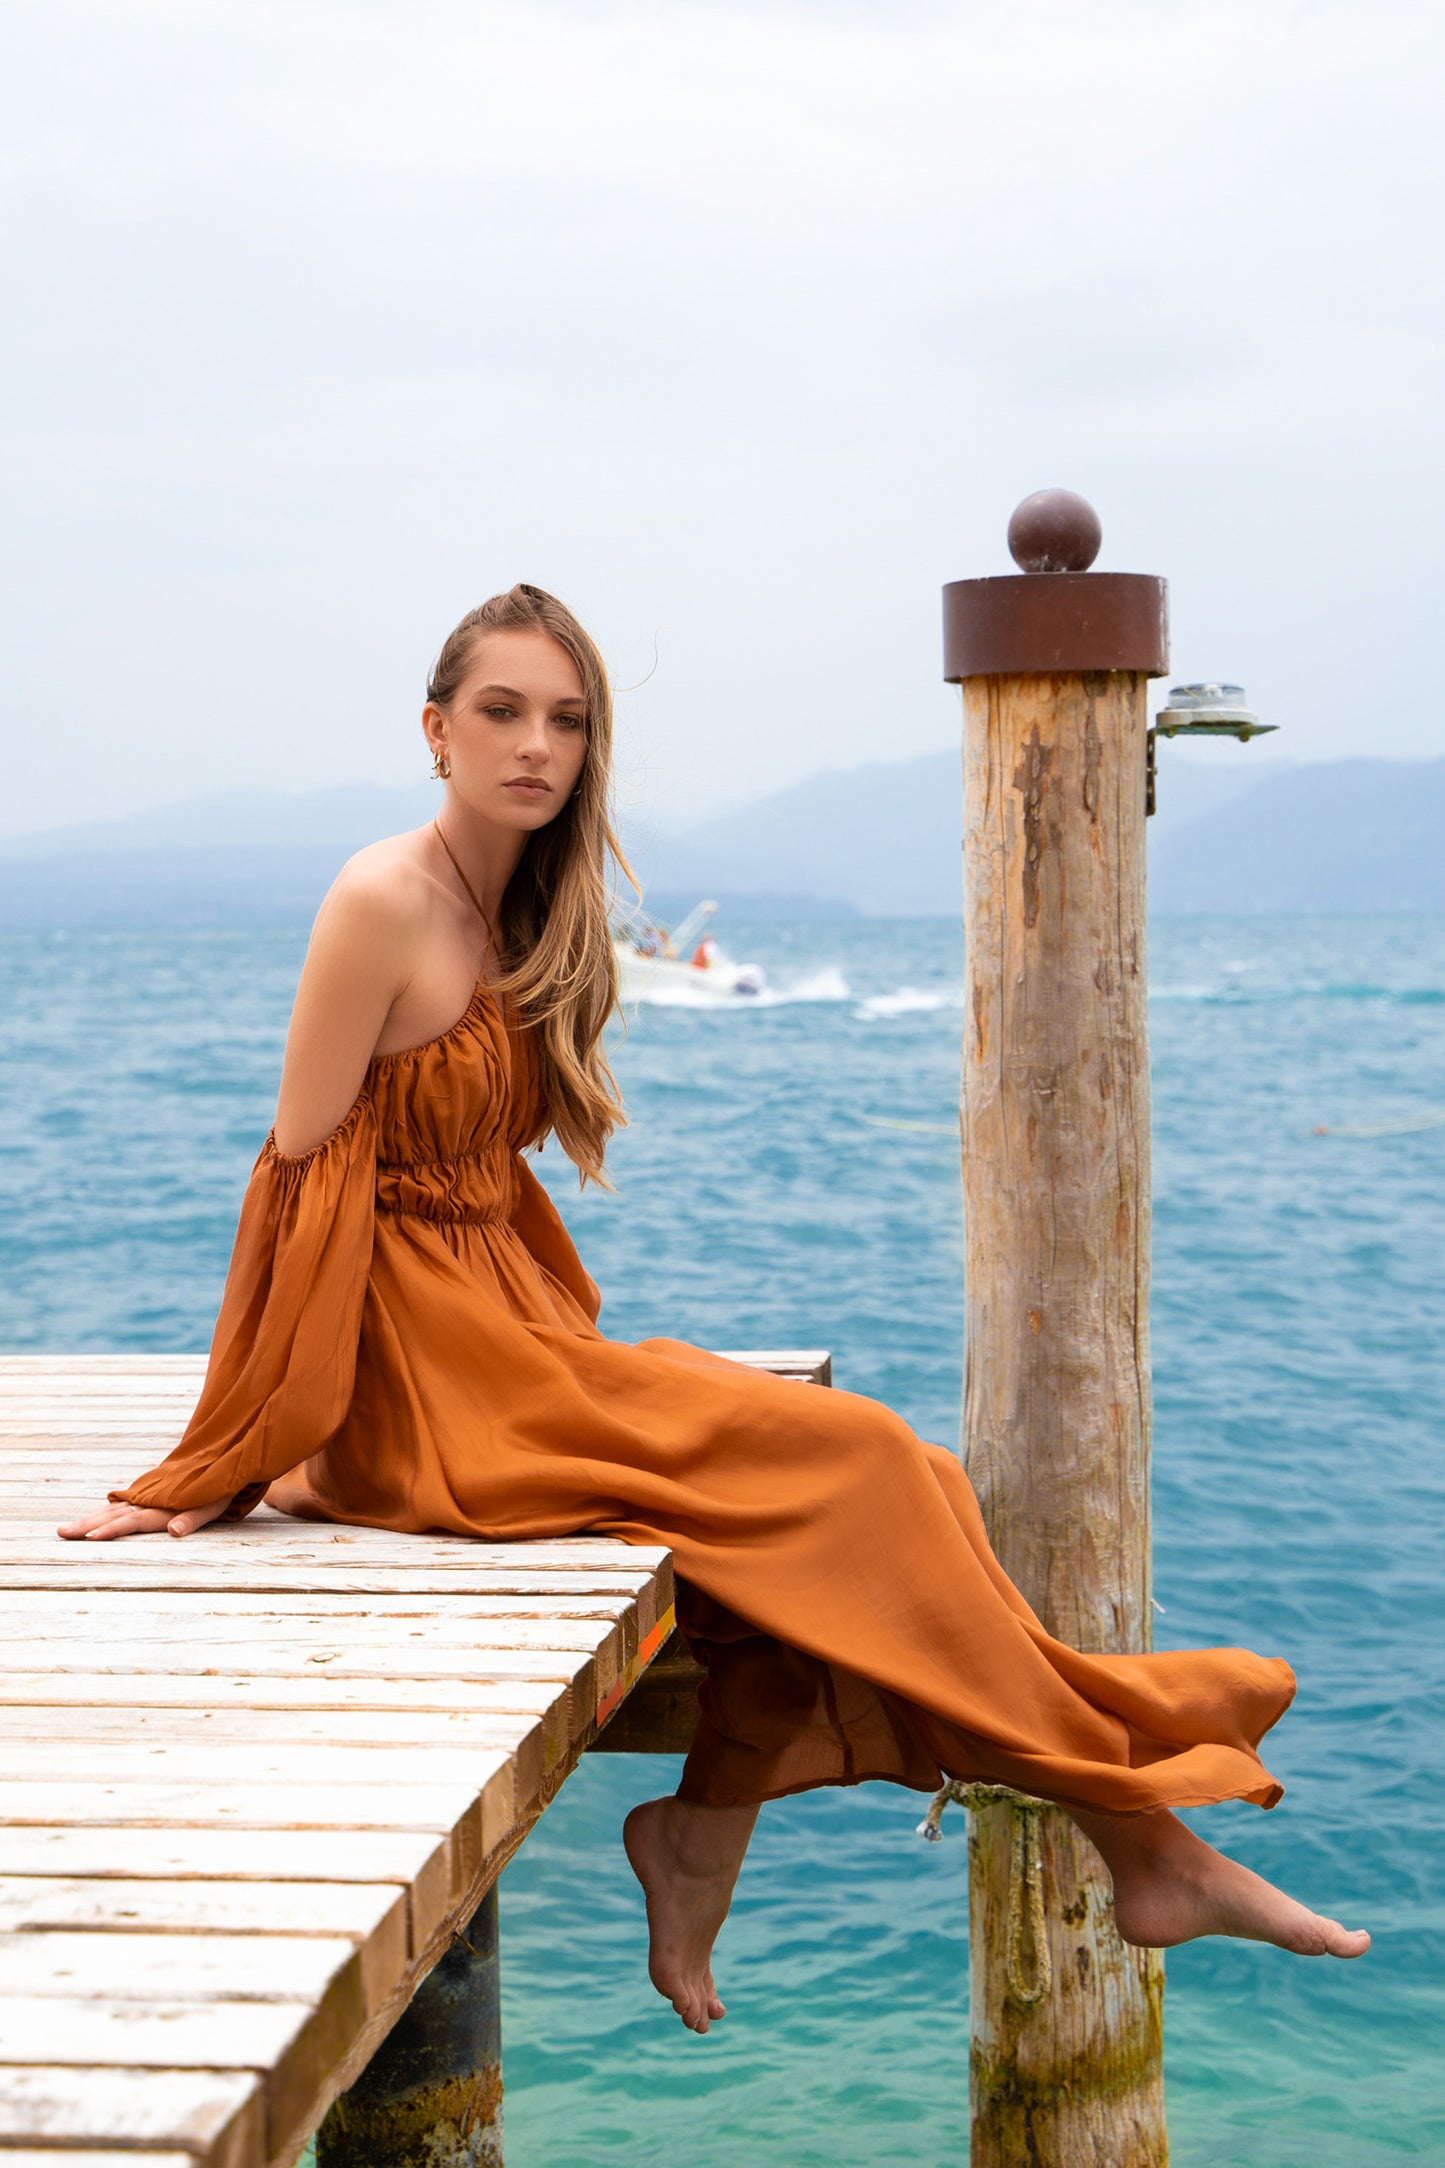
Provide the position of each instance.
(1058, 616)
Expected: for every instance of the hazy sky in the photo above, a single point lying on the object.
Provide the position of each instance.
(742, 327)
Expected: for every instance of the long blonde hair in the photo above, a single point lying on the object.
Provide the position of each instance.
(559, 969)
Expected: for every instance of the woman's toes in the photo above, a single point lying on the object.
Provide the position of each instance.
(1310, 1934)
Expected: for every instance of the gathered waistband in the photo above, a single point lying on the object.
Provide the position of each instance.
(478, 1189)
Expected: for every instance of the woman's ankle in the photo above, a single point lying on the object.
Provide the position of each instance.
(706, 1839)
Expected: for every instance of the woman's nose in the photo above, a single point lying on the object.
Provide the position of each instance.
(535, 744)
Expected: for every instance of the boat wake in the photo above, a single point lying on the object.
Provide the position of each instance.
(908, 1001)
(826, 984)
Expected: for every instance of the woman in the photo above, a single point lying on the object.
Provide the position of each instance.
(408, 1340)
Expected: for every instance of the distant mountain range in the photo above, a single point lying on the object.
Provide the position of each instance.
(1235, 835)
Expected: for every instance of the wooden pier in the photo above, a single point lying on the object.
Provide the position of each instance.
(253, 1783)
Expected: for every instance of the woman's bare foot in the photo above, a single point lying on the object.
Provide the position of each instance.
(687, 1859)
(1170, 1886)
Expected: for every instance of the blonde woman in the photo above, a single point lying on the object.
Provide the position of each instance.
(408, 1340)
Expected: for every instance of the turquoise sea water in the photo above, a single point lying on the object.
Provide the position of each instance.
(1299, 1481)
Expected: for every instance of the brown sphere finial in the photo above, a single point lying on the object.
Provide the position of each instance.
(1054, 531)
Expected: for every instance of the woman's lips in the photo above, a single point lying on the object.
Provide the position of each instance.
(527, 786)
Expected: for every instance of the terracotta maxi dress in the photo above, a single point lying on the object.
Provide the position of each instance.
(406, 1316)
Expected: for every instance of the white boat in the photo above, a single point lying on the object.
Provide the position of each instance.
(684, 965)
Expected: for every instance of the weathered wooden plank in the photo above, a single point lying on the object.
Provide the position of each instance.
(189, 1568)
(65, 2156)
(212, 2115)
(128, 1852)
(808, 1366)
(450, 1869)
(68, 2158)
(104, 1360)
(100, 1611)
(18, 1397)
(48, 1455)
(292, 2044)
(100, 1412)
(219, 1764)
(355, 1657)
(281, 1536)
(536, 1745)
(135, 1433)
(42, 1912)
(363, 1728)
(574, 1600)
(159, 1413)
(345, 1647)
(268, 1546)
(178, 1967)
(57, 1374)
(94, 1426)
(543, 1645)
(282, 1726)
(517, 1647)
(213, 1588)
(479, 1622)
(159, 1805)
(357, 1910)
(167, 1407)
(465, 1829)
(117, 1391)
(441, 1876)
(221, 1690)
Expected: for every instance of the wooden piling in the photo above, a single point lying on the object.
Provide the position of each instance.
(1066, 2051)
(431, 2096)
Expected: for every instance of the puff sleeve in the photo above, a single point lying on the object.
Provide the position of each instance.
(283, 1358)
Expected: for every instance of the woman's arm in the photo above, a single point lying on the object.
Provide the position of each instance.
(357, 963)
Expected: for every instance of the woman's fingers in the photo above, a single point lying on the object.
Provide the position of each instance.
(186, 1524)
(122, 1520)
(115, 1521)
(92, 1521)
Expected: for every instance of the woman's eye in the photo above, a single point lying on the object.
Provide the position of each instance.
(570, 722)
(503, 714)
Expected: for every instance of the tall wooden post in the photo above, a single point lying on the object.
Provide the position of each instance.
(1054, 665)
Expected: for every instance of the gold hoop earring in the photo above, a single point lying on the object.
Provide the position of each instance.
(441, 767)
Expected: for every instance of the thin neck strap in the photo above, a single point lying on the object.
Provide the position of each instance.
(466, 884)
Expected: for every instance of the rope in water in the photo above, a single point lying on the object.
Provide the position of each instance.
(1025, 1878)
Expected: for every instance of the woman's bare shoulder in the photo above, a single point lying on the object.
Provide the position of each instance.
(385, 888)
(369, 934)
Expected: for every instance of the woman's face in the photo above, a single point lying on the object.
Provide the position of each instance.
(515, 733)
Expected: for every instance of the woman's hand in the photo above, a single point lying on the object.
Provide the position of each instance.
(141, 1521)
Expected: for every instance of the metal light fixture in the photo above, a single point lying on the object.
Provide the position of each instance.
(1209, 710)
